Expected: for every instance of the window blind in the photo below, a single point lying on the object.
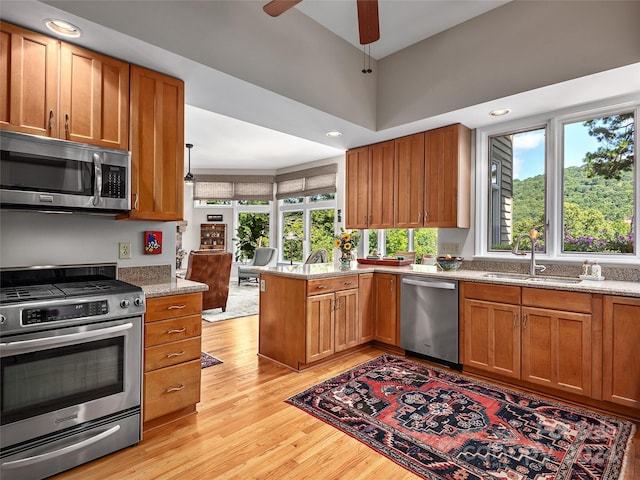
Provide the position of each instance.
(233, 187)
(308, 182)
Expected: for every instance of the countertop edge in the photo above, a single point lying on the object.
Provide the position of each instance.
(175, 286)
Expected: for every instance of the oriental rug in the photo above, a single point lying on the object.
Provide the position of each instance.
(440, 425)
(207, 360)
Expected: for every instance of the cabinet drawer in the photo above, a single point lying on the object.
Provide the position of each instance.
(171, 353)
(328, 285)
(170, 389)
(164, 331)
(159, 308)
(492, 293)
(557, 299)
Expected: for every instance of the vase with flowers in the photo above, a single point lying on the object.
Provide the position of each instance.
(347, 242)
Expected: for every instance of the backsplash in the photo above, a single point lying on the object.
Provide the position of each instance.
(610, 272)
(145, 275)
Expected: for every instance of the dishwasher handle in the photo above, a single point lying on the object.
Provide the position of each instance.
(418, 283)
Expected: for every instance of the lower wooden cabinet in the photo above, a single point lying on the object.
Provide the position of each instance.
(386, 308)
(172, 346)
(346, 331)
(320, 327)
(366, 306)
(621, 341)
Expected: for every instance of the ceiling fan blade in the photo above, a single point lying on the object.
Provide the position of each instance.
(368, 21)
(276, 7)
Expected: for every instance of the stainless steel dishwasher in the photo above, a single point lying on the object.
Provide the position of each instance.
(429, 318)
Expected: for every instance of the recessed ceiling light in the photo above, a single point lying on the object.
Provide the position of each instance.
(334, 134)
(499, 112)
(63, 28)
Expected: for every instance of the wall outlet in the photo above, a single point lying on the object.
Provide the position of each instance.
(263, 285)
(124, 249)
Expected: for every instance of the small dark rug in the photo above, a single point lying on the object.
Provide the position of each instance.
(207, 360)
(440, 425)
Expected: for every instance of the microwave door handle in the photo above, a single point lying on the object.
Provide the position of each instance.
(97, 168)
(48, 341)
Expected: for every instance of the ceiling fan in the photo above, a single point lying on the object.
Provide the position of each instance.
(368, 22)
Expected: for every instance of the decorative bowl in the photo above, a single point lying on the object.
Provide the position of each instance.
(449, 264)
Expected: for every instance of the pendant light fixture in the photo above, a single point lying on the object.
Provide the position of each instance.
(189, 178)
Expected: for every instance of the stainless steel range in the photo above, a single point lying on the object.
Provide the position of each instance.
(70, 367)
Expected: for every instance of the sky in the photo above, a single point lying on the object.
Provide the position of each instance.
(528, 149)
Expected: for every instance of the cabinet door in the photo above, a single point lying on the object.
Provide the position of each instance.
(621, 338)
(346, 320)
(94, 98)
(366, 307)
(28, 81)
(556, 349)
(409, 178)
(447, 166)
(319, 336)
(381, 185)
(386, 313)
(157, 146)
(492, 337)
(357, 186)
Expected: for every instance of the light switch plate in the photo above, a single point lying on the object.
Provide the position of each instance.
(263, 285)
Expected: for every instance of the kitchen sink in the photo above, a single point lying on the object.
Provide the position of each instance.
(529, 278)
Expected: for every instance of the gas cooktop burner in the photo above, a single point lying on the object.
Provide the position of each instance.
(29, 292)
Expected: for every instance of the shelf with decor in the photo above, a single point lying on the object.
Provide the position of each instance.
(213, 236)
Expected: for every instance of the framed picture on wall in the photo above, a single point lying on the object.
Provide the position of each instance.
(152, 243)
(214, 218)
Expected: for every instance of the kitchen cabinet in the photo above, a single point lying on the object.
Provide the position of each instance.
(157, 146)
(370, 184)
(621, 338)
(492, 328)
(539, 336)
(386, 308)
(346, 331)
(59, 90)
(366, 307)
(172, 347)
(213, 236)
(447, 200)
(410, 181)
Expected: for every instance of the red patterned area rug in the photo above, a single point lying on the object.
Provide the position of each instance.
(207, 360)
(440, 425)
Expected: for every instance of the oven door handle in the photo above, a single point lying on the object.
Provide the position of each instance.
(62, 451)
(42, 342)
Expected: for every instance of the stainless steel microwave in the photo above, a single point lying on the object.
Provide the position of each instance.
(47, 174)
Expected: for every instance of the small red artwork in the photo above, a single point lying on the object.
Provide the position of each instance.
(152, 243)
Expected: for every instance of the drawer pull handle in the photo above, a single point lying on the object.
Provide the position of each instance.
(320, 287)
(50, 120)
(348, 283)
(175, 389)
(66, 124)
(170, 355)
(177, 330)
(177, 307)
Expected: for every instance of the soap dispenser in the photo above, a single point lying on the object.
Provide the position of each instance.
(596, 270)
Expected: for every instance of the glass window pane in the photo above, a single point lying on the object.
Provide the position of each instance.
(425, 240)
(373, 242)
(322, 197)
(322, 226)
(293, 200)
(397, 240)
(293, 225)
(517, 192)
(598, 185)
(252, 232)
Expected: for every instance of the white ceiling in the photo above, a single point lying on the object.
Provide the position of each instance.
(250, 127)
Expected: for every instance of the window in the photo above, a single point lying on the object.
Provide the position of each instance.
(420, 240)
(573, 178)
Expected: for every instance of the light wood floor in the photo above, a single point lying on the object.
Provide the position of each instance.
(244, 430)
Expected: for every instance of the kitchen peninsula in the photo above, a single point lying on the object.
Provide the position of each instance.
(561, 336)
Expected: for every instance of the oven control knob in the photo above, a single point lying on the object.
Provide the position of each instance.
(124, 303)
(2, 319)
(138, 301)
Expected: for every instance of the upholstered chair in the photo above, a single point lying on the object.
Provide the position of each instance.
(317, 256)
(262, 257)
(214, 269)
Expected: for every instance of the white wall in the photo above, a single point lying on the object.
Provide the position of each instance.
(31, 238)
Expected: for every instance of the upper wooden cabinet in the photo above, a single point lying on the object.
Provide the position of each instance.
(59, 90)
(29, 71)
(420, 180)
(447, 200)
(94, 98)
(370, 174)
(157, 146)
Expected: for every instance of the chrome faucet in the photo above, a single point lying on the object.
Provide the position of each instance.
(533, 267)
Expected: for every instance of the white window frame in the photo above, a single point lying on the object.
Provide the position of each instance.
(306, 206)
(554, 153)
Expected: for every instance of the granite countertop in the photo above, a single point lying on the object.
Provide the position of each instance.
(174, 286)
(325, 270)
(157, 281)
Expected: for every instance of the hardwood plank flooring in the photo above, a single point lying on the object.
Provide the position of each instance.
(244, 430)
